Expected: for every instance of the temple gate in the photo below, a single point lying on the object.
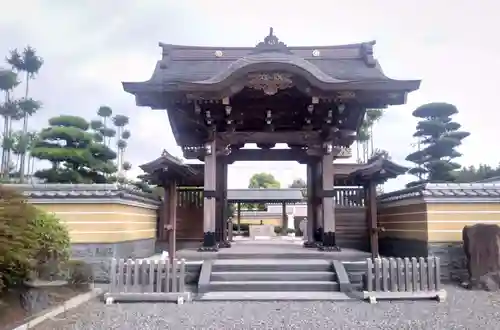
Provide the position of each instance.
(313, 99)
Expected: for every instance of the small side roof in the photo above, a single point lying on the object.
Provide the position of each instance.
(378, 170)
(168, 167)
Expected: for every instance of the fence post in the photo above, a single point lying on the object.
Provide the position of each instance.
(414, 274)
(136, 275)
(422, 267)
(437, 266)
(121, 275)
(369, 274)
(182, 279)
(159, 269)
(175, 264)
(376, 269)
(393, 270)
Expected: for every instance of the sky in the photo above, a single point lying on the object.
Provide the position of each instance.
(89, 47)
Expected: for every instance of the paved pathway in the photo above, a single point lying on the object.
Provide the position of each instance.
(463, 310)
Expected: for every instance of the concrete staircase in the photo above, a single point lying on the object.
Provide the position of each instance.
(276, 279)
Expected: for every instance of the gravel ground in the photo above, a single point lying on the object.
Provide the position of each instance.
(462, 310)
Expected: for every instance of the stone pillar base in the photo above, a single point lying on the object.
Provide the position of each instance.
(209, 243)
(225, 244)
(310, 244)
(318, 235)
(329, 243)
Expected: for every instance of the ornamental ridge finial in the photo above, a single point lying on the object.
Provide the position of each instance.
(271, 43)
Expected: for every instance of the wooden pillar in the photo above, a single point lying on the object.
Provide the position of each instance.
(224, 205)
(219, 213)
(172, 223)
(284, 218)
(329, 243)
(164, 214)
(238, 210)
(311, 205)
(371, 216)
(209, 196)
(318, 202)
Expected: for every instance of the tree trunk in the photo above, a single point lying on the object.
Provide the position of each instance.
(28, 165)
(33, 159)
(365, 144)
(371, 141)
(25, 132)
(4, 150)
(9, 150)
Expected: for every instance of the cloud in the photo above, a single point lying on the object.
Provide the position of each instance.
(91, 47)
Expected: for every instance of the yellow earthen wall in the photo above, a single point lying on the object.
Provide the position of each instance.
(446, 221)
(104, 223)
(404, 221)
(434, 222)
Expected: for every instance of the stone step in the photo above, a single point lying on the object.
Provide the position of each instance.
(270, 265)
(295, 255)
(274, 296)
(356, 277)
(274, 286)
(273, 276)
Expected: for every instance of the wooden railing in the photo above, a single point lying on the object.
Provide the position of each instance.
(190, 197)
(344, 197)
(147, 280)
(349, 197)
(398, 278)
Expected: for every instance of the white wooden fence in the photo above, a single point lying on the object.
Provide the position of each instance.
(403, 278)
(147, 280)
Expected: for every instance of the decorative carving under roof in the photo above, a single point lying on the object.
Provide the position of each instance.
(271, 43)
(270, 83)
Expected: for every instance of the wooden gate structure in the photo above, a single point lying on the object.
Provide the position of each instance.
(313, 99)
(354, 202)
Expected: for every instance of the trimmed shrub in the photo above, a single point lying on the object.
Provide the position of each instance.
(18, 240)
(79, 272)
(53, 244)
(30, 240)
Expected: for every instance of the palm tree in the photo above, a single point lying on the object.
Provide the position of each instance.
(28, 63)
(120, 122)
(105, 112)
(8, 110)
(33, 138)
(97, 126)
(127, 166)
(18, 147)
(365, 134)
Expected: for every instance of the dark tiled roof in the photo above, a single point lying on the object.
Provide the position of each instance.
(168, 163)
(379, 170)
(265, 195)
(495, 179)
(446, 190)
(55, 191)
(200, 66)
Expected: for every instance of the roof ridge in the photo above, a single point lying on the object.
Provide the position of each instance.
(167, 46)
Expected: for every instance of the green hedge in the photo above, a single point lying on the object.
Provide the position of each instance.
(29, 239)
